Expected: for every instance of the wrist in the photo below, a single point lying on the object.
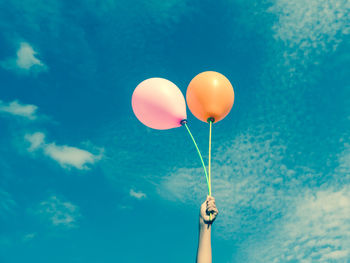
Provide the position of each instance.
(203, 224)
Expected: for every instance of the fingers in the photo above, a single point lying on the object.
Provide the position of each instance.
(211, 206)
(211, 215)
(209, 197)
(210, 201)
(212, 210)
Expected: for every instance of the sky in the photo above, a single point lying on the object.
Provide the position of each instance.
(82, 180)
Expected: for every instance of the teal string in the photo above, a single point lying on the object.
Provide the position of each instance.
(200, 156)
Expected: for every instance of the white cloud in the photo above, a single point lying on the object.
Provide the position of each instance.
(249, 183)
(342, 172)
(36, 140)
(314, 226)
(317, 229)
(7, 204)
(70, 156)
(15, 108)
(124, 207)
(29, 237)
(137, 195)
(66, 156)
(266, 207)
(59, 213)
(26, 57)
(310, 28)
(25, 60)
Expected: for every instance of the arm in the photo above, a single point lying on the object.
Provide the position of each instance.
(204, 244)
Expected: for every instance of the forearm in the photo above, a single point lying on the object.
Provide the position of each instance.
(204, 245)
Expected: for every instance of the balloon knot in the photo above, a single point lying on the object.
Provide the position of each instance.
(211, 119)
(183, 122)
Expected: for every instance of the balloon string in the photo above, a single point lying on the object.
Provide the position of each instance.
(200, 156)
(210, 124)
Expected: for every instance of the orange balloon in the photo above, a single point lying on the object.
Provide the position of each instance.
(210, 95)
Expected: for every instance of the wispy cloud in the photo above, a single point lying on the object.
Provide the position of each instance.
(267, 207)
(26, 57)
(66, 156)
(167, 11)
(312, 24)
(36, 140)
(124, 207)
(317, 229)
(7, 203)
(137, 194)
(309, 28)
(342, 172)
(70, 156)
(28, 111)
(28, 237)
(59, 212)
(25, 60)
(249, 182)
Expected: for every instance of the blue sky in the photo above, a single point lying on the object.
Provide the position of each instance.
(82, 180)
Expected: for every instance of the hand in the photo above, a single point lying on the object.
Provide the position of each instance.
(208, 207)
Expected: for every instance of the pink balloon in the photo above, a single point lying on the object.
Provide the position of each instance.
(159, 104)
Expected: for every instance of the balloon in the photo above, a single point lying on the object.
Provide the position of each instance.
(210, 95)
(159, 104)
